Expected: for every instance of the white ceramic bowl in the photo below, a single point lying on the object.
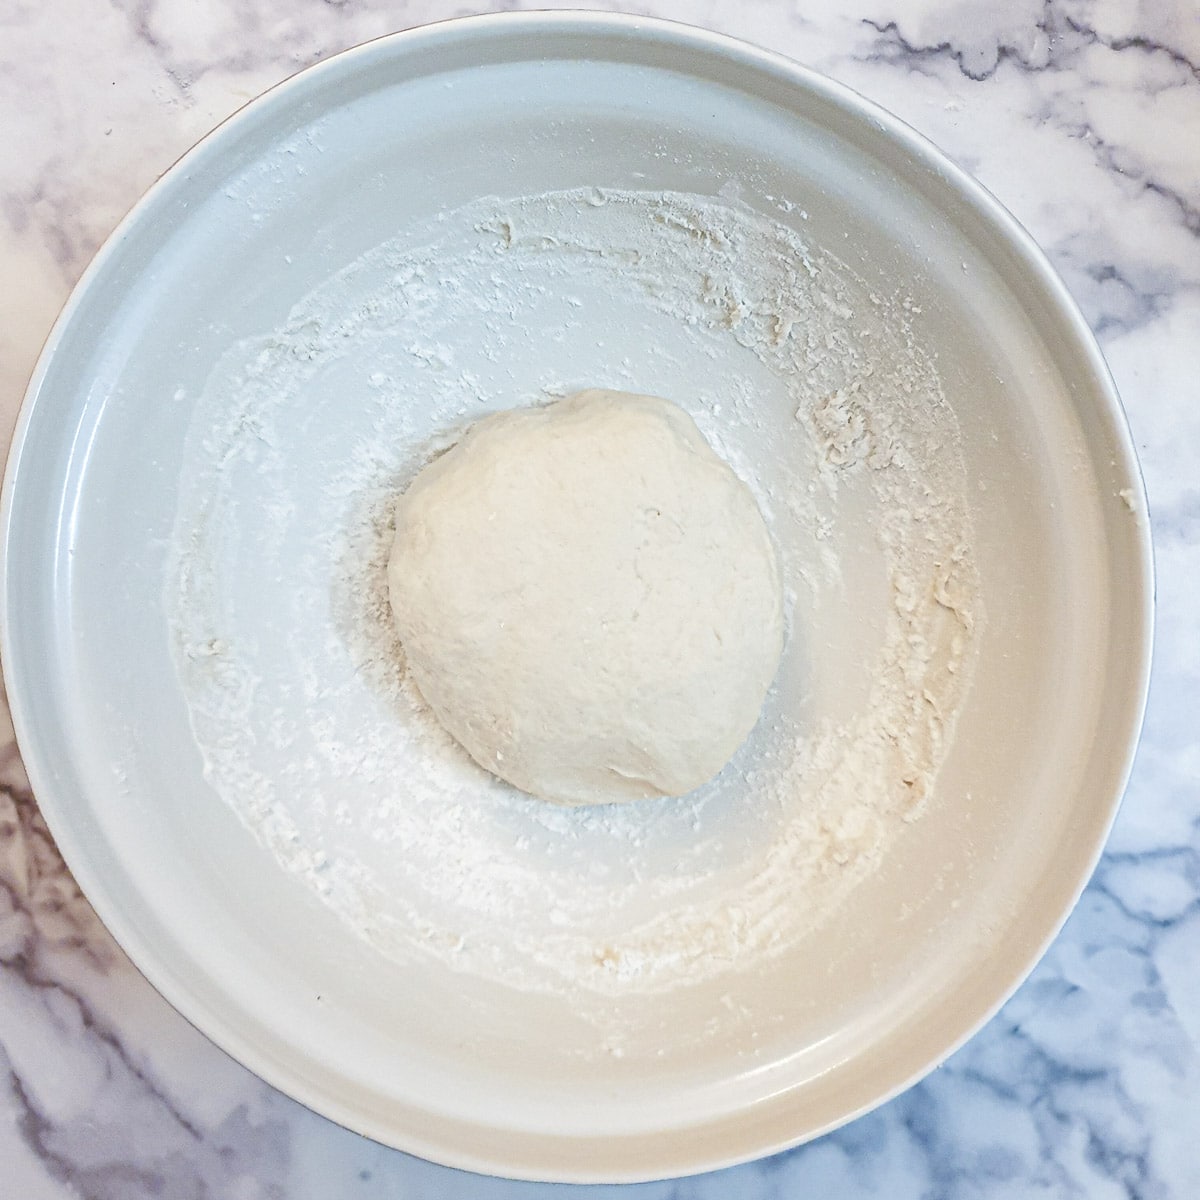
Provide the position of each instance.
(449, 1065)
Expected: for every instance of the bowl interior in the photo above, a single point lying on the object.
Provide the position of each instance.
(369, 148)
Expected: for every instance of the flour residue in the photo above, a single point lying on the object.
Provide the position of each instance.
(815, 388)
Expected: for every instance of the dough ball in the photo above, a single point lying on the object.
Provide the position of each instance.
(588, 598)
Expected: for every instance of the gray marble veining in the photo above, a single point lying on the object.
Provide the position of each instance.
(1083, 116)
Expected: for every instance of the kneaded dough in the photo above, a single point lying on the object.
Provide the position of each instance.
(588, 598)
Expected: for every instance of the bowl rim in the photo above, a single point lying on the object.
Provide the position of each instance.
(582, 24)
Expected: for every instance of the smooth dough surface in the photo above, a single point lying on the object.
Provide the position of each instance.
(588, 598)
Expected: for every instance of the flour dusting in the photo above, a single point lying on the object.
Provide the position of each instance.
(816, 389)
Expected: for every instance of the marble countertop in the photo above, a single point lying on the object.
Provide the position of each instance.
(1083, 116)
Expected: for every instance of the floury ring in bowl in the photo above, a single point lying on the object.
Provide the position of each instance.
(216, 720)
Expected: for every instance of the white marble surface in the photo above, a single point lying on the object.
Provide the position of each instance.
(1083, 116)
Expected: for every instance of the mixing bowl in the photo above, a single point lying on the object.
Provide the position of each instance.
(488, 212)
